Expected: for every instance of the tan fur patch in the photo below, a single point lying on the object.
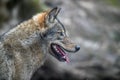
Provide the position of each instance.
(40, 19)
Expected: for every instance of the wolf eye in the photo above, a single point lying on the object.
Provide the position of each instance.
(61, 33)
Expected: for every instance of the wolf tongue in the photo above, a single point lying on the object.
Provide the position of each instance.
(63, 53)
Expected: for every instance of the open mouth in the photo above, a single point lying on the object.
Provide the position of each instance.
(59, 53)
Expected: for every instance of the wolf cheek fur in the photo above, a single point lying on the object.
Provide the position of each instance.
(24, 48)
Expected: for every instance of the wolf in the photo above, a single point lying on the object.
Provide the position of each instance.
(23, 49)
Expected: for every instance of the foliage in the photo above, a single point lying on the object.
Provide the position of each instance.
(114, 2)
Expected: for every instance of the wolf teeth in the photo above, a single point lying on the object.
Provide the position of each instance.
(55, 47)
(64, 57)
(57, 51)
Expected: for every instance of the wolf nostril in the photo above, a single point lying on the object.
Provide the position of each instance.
(77, 47)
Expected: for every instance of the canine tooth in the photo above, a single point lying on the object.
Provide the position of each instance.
(64, 57)
(54, 47)
(57, 51)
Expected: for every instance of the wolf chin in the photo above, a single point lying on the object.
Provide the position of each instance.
(23, 49)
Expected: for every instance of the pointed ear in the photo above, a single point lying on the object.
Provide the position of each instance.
(53, 14)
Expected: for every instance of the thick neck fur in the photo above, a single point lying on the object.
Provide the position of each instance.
(25, 48)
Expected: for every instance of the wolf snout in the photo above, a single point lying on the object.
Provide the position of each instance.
(77, 48)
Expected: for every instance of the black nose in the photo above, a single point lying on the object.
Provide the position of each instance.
(77, 47)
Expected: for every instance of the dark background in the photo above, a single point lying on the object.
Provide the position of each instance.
(94, 24)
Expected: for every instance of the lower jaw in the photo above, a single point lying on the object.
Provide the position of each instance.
(59, 57)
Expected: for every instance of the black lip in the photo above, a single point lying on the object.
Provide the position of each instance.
(56, 54)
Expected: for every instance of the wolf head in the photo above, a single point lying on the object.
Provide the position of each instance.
(53, 33)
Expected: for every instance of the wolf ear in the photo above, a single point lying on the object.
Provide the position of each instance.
(53, 14)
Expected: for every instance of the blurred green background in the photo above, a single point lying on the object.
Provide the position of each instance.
(94, 24)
